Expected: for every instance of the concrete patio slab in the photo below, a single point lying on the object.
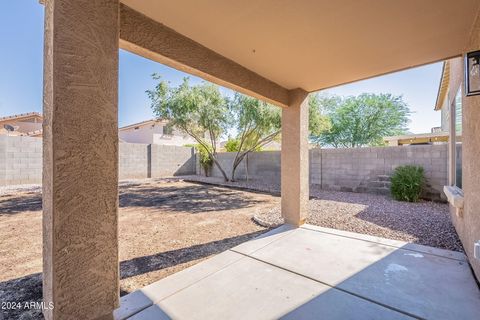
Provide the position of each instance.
(390, 242)
(384, 274)
(305, 273)
(141, 299)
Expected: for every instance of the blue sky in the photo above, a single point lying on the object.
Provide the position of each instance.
(21, 59)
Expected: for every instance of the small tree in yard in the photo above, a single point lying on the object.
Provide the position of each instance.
(200, 111)
(257, 124)
(205, 160)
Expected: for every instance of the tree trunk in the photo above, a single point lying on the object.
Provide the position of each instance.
(246, 167)
(236, 162)
(221, 169)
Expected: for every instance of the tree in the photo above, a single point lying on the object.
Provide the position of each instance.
(200, 111)
(257, 123)
(363, 120)
(318, 123)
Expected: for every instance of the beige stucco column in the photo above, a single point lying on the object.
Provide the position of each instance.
(295, 188)
(80, 167)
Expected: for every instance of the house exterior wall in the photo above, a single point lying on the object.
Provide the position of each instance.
(468, 223)
(445, 116)
(175, 139)
(144, 134)
(24, 126)
(24, 123)
(153, 134)
(357, 170)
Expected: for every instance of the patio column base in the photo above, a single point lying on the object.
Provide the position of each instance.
(80, 166)
(295, 188)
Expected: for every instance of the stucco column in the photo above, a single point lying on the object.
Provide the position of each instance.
(295, 188)
(80, 167)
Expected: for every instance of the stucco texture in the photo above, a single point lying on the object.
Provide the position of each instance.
(468, 226)
(80, 170)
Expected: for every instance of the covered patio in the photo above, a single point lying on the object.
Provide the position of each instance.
(278, 51)
(310, 273)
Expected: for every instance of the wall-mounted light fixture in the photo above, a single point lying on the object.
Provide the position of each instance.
(472, 73)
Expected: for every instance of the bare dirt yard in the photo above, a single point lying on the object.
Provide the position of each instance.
(169, 225)
(165, 226)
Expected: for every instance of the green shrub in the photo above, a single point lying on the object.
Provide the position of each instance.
(205, 159)
(232, 145)
(407, 183)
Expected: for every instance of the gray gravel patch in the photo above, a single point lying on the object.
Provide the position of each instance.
(427, 223)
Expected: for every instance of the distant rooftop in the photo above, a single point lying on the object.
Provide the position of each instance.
(21, 116)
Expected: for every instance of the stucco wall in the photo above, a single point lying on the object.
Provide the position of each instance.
(144, 134)
(148, 134)
(468, 224)
(21, 160)
(357, 170)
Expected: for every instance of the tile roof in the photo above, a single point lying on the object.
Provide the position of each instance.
(20, 116)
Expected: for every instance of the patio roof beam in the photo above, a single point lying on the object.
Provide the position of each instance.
(153, 40)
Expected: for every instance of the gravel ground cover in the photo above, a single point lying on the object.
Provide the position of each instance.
(424, 222)
(164, 226)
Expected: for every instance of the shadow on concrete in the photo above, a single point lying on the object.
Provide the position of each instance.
(379, 282)
(188, 198)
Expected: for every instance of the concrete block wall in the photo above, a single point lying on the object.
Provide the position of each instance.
(357, 170)
(139, 161)
(261, 165)
(133, 160)
(167, 161)
(21, 160)
(364, 169)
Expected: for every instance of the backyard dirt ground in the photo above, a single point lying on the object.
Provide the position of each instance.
(168, 225)
(164, 227)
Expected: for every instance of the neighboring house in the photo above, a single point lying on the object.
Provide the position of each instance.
(25, 124)
(154, 132)
(416, 139)
(271, 146)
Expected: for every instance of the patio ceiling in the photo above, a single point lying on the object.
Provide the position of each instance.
(321, 43)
